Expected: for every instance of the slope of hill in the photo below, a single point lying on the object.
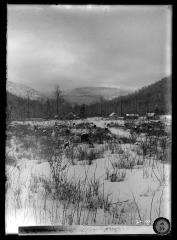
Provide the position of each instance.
(24, 91)
(158, 93)
(141, 101)
(89, 95)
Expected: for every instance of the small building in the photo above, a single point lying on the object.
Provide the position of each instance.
(151, 116)
(113, 115)
(71, 116)
(120, 118)
(131, 116)
(56, 116)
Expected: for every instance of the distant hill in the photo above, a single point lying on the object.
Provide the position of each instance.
(141, 101)
(89, 95)
(23, 91)
(158, 93)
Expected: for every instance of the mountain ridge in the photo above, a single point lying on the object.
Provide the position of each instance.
(88, 95)
(82, 95)
(24, 91)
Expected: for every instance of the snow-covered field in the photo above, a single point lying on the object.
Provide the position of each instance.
(120, 186)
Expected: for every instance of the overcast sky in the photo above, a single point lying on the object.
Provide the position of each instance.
(77, 46)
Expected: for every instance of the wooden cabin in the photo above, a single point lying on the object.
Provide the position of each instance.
(132, 116)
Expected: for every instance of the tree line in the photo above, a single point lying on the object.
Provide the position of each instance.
(141, 101)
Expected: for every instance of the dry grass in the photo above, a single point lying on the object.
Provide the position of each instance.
(82, 152)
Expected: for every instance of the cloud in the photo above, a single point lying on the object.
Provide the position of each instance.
(87, 46)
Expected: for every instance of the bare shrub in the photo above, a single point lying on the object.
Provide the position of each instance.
(89, 154)
(165, 149)
(115, 174)
(127, 140)
(118, 176)
(115, 147)
(125, 161)
(139, 161)
(10, 160)
(133, 137)
(115, 125)
(29, 143)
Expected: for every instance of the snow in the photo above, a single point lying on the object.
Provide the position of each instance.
(139, 184)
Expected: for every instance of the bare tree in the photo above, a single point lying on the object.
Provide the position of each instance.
(101, 106)
(28, 105)
(121, 112)
(8, 114)
(58, 99)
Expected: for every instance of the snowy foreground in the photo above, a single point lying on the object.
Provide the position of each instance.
(108, 191)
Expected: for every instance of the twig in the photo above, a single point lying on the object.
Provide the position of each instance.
(160, 202)
(136, 206)
(151, 207)
(120, 202)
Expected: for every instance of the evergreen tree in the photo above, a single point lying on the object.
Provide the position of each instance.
(82, 111)
(156, 110)
(48, 109)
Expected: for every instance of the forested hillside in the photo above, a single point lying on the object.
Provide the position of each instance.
(19, 108)
(141, 101)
